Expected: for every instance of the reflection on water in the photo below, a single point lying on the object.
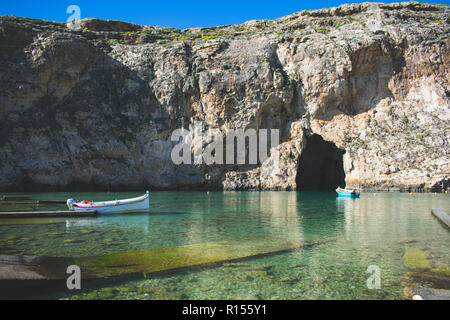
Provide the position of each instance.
(141, 223)
(352, 234)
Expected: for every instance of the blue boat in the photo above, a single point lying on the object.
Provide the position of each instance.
(346, 193)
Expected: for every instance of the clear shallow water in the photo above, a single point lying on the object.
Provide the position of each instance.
(355, 233)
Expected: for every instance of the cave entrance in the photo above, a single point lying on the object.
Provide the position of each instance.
(320, 165)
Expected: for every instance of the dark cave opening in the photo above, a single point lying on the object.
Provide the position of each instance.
(320, 166)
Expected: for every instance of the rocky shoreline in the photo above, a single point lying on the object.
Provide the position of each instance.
(95, 108)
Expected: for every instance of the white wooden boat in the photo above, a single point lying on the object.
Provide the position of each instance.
(139, 204)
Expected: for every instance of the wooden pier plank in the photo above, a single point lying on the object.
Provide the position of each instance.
(33, 220)
(14, 198)
(41, 214)
(51, 201)
(443, 216)
(14, 202)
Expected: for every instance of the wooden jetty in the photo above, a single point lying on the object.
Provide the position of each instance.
(53, 214)
(37, 202)
(35, 221)
(51, 201)
(443, 216)
(14, 198)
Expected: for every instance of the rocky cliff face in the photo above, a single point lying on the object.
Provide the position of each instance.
(95, 108)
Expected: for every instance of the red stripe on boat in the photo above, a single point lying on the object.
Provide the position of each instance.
(112, 205)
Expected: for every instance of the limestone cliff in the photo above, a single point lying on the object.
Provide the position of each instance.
(95, 107)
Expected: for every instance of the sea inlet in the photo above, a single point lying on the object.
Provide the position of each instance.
(241, 245)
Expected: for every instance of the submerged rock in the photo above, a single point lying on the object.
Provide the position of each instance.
(246, 296)
(407, 241)
(419, 259)
(70, 241)
(86, 231)
(13, 238)
(427, 279)
(430, 278)
(422, 293)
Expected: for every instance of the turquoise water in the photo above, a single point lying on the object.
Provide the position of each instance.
(353, 235)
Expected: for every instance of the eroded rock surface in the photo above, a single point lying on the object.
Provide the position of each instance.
(96, 107)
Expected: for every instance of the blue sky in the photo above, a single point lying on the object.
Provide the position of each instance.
(173, 13)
